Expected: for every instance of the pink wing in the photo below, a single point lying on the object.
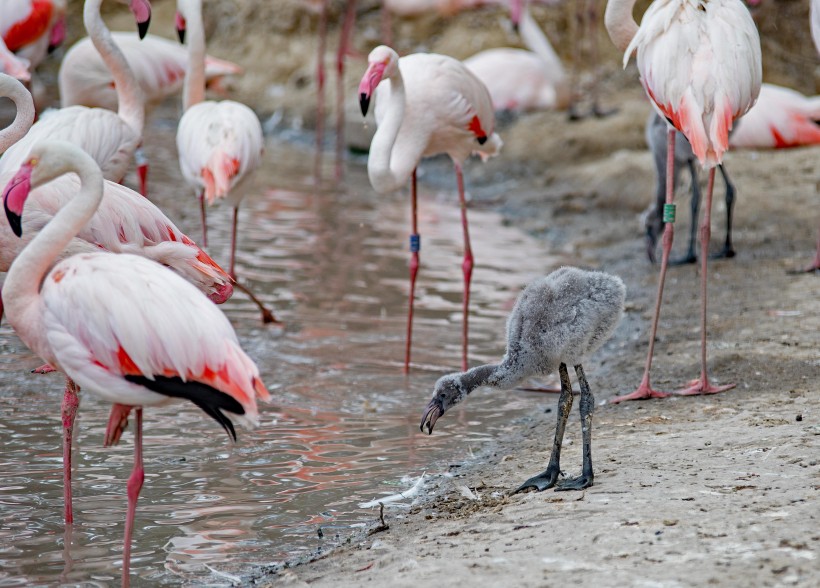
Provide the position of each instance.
(700, 64)
(125, 222)
(158, 64)
(101, 133)
(118, 323)
(780, 118)
(220, 144)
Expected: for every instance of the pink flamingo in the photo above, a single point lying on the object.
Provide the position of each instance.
(700, 65)
(111, 138)
(28, 22)
(120, 326)
(220, 144)
(430, 104)
(523, 80)
(780, 118)
(125, 222)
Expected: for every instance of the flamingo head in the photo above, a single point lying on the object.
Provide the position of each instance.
(448, 392)
(15, 195)
(179, 24)
(382, 62)
(142, 14)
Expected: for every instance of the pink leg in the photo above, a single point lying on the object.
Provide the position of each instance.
(232, 271)
(69, 412)
(320, 91)
(702, 386)
(117, 421)
(46, 368)
(1, 305)
(344, 49)
(415, 247)
(203, 216)
(645, 390)
(142, 170)
(466, 266)
(134, 487)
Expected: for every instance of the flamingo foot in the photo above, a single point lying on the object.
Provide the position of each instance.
(643, 392)
(543, 481)
(579, 483)
(696, 387)
(44, 369)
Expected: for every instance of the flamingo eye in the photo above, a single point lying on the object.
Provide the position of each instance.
(33, 161)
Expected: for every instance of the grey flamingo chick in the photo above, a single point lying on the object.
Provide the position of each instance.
(656, 129)
(558, 320)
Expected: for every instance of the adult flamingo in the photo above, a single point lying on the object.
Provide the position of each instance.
(111, 138)
(700, 65)
(120, 326)
(780, 118)
(220, 144)
(124, 222)
(430, 104)
(519, 79)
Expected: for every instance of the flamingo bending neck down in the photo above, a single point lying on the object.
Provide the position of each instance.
(700, 65)
(220, 144)
(111, 139)
(427, 104)
(122, 327)
(558, 320)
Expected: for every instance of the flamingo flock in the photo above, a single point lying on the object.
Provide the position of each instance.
(106, 289)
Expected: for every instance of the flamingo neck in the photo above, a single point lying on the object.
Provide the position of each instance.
(131, 100)
(620, 24)
(194, 91)
(493, 375)
(536, 41)
(17, 93)
(21, 290)
(381, 165)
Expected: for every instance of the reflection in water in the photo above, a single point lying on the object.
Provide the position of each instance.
(344, 420)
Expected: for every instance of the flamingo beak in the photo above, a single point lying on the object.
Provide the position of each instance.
(372, 77)
(57, 34)
(142, 13)
(179, 23)
(431, 414)
(14, 197)
(516, 9)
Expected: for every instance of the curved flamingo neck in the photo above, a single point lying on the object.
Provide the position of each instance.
(536, 41)
(21, 290)
(17, 93)
(194, 91)
(131, 100)
(620, 24)
(380, 162)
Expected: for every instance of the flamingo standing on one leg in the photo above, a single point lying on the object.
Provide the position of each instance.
(220, 144)
(124, 222)
(111, 138)
(700, 65)
(429, 104)
(120, 326)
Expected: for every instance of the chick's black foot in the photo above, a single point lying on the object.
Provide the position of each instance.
(578, 483)
(725, 253)
(686, 259)
(541, 482)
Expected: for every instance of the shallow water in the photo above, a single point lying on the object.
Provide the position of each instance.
(343, 424)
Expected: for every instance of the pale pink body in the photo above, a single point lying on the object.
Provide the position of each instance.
(158, 64)
(780, 118)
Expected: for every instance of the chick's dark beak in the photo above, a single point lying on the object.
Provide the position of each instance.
(431, 414)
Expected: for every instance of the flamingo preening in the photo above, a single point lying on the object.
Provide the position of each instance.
(426, 104)
(220, 144)
(119, 326)
(110, 138)
(700, 65)
(558, 320)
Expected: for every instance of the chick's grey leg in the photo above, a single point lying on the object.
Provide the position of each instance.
(587, 405)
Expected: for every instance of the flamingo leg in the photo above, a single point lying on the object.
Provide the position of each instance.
(812, 268)
(415, 247)
(645, 389)
(134, 486)
(467, 265)
(575, 75)
(320, 92)
(549, 477)
(1, 304)
(142, 170)
(702, 386)
(586, 406)
(343, 51)
(728, 250)
(69, 412)
(203, 216)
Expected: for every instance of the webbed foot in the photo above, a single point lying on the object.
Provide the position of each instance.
(541, 482)
(579, 483)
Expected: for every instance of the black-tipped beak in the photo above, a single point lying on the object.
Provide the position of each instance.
(515, 27)
(431, 414)
(15, 222)
(481, 140)
(364, 102)
(181, 35)
(142, 27)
